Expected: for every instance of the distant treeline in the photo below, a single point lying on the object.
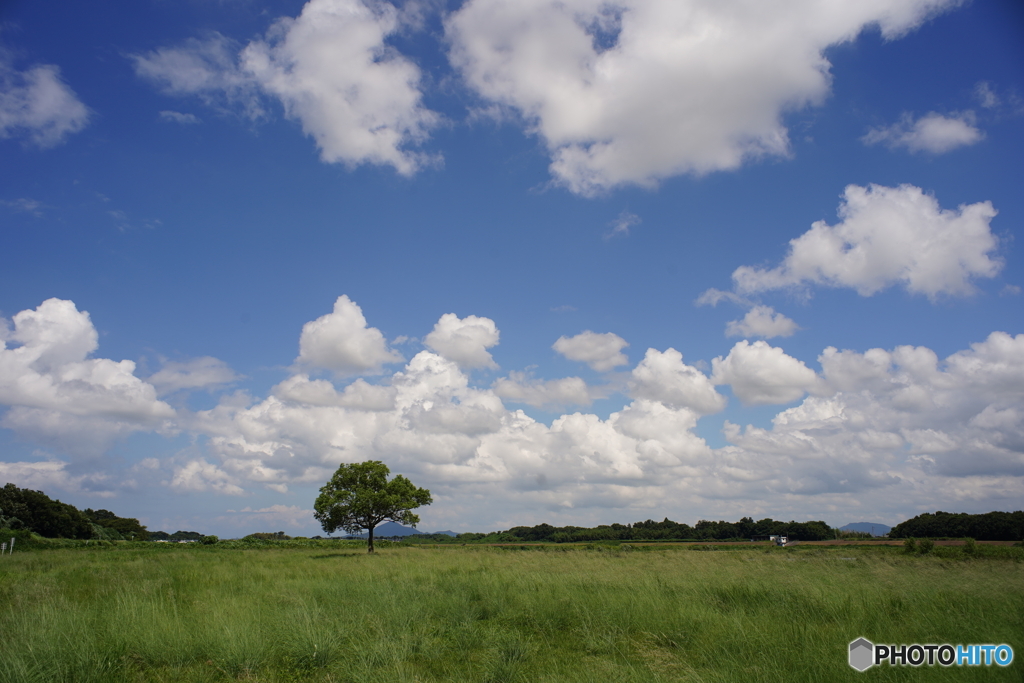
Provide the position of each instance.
(648, 530)
(36, 512)
(176, 536)
(991, 526)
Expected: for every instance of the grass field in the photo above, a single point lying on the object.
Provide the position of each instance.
(490, 614)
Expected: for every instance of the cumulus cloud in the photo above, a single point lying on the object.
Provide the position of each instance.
(37, 104)
(331, 70)
(198, 476)
(197, 373)
(903, 417)
(464, 340)
(664, 377)
(554, 393)
(876, 420)
(51, 475)
(59, 395)
(761, 321)
(360, 394)
(932, 133)
(601, 351)
(341, 342)
(443, 430)
(62, 399)
(883, 429)
(630, 92)
(761, 374)
(888, 236)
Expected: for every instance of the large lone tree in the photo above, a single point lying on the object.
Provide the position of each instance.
(359, 496)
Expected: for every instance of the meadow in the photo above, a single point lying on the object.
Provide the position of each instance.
(486, 614)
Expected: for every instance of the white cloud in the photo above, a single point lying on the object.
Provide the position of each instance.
(57, 394)
(888, 236)
(951, 429)
(63, 399)
(761, 321)
(197, 373)
(445, 432)
(880, 421)
(630, 92)
(761, 374)
(663, 377)
(38, 104)
(205, 68)
(464, 340)
(24, 205)
(178, 117)
(330, 69)
(887, 430)
(519, 388)
(341, 342)
(986, 96)
(620, 226)
(713, 297)
(198, 476)
(360, 394)
(932, 133)
(602, 352)
(50, 475)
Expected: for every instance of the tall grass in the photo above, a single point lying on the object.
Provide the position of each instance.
(493, 615)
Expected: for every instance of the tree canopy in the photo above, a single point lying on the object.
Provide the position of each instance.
(359, 496)
(127, 528)
(34, 510)
(991, 526)
(37, 512)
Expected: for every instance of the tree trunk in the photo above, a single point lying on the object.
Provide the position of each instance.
(370, 538)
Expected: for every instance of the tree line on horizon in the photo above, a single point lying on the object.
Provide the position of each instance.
(34, 511)
(649, 530)
(991, 526)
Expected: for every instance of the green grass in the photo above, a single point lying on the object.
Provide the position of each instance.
(491, 615)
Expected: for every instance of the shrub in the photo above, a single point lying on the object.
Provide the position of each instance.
(909, 545)
(969, 546)
(209, 540)
(927, 545)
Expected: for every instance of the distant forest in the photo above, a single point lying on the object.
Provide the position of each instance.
(991, 526)
(36, 512)
(649, 530)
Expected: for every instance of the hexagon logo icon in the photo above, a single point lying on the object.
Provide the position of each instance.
(862, 653)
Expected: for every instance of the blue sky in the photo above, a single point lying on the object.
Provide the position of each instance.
(572, 262)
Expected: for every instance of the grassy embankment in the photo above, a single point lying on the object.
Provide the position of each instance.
(488, 614)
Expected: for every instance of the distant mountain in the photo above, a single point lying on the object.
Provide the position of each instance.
(873, 528)
(447, 533)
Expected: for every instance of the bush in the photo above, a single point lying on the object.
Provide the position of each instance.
(909, 545)
(926, 546)
(209, 540)
(970, 548)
